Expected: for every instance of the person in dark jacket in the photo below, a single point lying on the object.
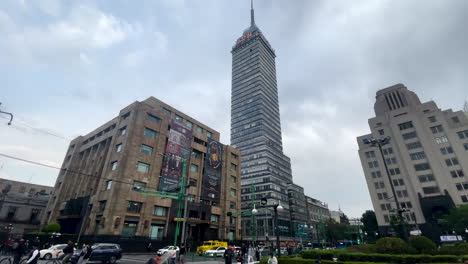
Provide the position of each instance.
(228, 255)
(18, 251)
(34, 257)
(67, 252)
(244, 253)
(182, 252)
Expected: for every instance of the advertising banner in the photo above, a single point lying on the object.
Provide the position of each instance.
(211, 184)
(177, 150)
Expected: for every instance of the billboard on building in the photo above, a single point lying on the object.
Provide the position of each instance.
(177, 150)
(211, 184)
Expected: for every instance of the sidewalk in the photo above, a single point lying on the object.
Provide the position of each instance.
(143, 257)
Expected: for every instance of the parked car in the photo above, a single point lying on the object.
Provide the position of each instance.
(105, 252)
(52, 252)
(215, 252)
(165, 249)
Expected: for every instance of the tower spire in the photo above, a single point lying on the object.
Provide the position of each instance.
(252, 15)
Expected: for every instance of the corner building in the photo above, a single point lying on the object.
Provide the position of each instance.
(427, 160)
(256, 133)
(97, 188)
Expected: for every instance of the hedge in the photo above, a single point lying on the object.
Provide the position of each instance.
(389, 258)
(283, 260)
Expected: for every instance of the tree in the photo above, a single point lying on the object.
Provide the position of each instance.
(52, 227)
(422, 245)
(399, 225)
(457, 219)
(370, 225)
(336, 231)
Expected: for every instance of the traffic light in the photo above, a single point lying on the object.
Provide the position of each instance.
(359, 241)
(263, 201)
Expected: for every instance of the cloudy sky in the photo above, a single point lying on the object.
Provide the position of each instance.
(69, 66)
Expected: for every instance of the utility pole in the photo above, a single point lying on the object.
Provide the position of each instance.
(254, 220)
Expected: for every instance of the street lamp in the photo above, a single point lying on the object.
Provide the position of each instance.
(277, 207)
(379, 143)
(254, 210)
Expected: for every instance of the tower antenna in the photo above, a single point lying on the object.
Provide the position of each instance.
(252, 15)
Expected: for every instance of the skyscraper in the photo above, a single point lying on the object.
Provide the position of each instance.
(256, 131)
(426, 156)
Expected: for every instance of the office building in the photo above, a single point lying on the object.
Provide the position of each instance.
(110, 176)
(317, 214)
(256, 132)
(426, 155)
(22, 207)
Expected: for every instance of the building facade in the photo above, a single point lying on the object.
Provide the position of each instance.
(256, 132)
(111, 177)
(317, 214)
(427, 158)
(22, 207)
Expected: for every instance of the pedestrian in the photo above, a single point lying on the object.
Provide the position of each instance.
(34, 255)
(67, 252)
(272, 259)
(18, 250)
(257, 253)
(85, 253)
(251, 253)
(172, 254)
(149, 247)
(182, 253)
(228, 256)
(243, 253)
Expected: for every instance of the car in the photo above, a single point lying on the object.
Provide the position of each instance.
(52, 252)
(165, 249)
(105, 252)
(215, 252)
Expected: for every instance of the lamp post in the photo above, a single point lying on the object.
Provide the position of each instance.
(254, 224)
(379, 143)
(276, 208)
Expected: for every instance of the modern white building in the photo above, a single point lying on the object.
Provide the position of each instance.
(426, 156)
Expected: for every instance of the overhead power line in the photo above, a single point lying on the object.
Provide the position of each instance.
(40, 130)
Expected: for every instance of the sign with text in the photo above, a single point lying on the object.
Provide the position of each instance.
(211, 185)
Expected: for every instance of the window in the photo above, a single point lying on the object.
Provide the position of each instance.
(232, 220)
(418, 155)
(102, 205)
(209, 134)
(370, 154)
(196, 154)
(124, 117)
(431, 189)
(160, 211)
(442, 139)
(465, 146)
(138, 186)
(381, 132)
(142, 167)
(108, 185)
(114, 165)
(455, 120)
(233, 179)
(232, 205)
(463, 134)
(386, 219)
(233, 192)
(11, 212)
(405, 125)
(379, 185)
(376, 174)
(426, 178)
(406, 205)
(199, 129)
(391, 161)
(386, 207)
(464, 198)
(409, 135)
(402, 193)
(118, 147)
(148, 150)
(446, 150)
(188, 124)
(462, 186)
(437, 129)
(233, 166)
(413, 145)
(150, 133)
(134, 207)
(166, 111)
(432, 119)
(153, 118)
(379, 196)
(394, 171)
(193, 168)
(451, 162)
(123, 131)
(178, 119)
(398, 182)
(457, 173)
(214, 218)
(233, 156)
(422, 166)
(373, 164)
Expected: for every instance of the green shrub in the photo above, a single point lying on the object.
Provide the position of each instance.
(422, 245)
(52, 227)
(363, 248)
(392, 245)
(283, 260)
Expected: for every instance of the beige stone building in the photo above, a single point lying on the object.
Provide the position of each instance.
(22, 206)
(99, 187)
(427, 159)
